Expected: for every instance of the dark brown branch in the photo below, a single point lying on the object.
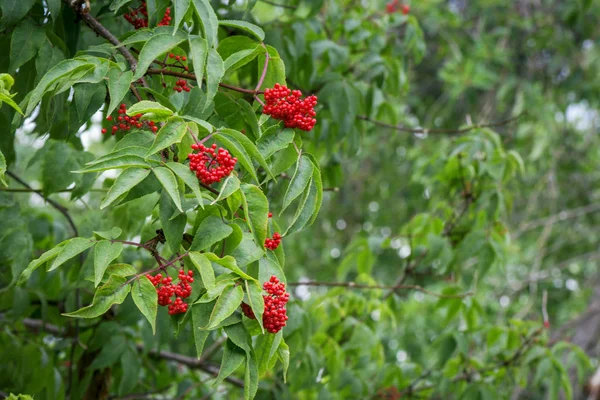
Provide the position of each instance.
(272, 3)
(62, 209)
(402, 128)
(352, 285)
(193, 77)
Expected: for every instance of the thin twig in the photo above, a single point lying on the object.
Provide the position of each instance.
(192, 76)
(272, 3)
(352, 285)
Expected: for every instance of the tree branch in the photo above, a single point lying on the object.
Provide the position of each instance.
(193, 77)
(352, 285)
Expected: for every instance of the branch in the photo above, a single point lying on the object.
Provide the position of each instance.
(106, 34)
(561, 216)
(193, 77)
(63, 210)
(352, 285)
(193, 363)
(402, 128)
(272, 3)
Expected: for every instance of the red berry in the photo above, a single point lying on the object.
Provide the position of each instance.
(103, 130)
(405, 9)
(183, 58)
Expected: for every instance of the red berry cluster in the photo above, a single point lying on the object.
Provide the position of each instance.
(274, 316)
(395, 5)
(178, 61)
(287, 105)
(273, 243)
(138, 17)
(211, 165)
(167, 290)
(125, 122)
(181, 85)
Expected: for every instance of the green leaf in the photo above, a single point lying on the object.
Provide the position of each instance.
(256, 301)
(110, 235)
(275, 68)
(112, 292)
(4, 98)
(199, 313)
(239, 59)
(149, 107)
(204, 267)
(209, 20)
(229, 187)
(3, 169)
(198, 52)
(239, 152)
(124, 182)
(27, 39)
(250, 147)
(214, 73)
(266, 349)
(233, 357)
(125, 161)
(246, 27)
(229, 301)
(124, 270)
(318, 183)
(105, 252)
(256, 211)
(180, 9)
(188, 177)
(38, 262)
(169, 183)
(154, 47)
(118, 86)
(14, 10)
(251, 120)
(169, 134)
(300, 180)
(210, 231)
(173, 227)
(145, 298)
(240, 336)
(229, 263)
(71, 248)
(284, 355)
(250, 377)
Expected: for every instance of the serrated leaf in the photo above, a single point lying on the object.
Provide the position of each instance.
(126, 161)
(207, 126)
(210, 231)
(239, 59)
(118, 86)
(233, 357)
(149, 107)
(169, 183)
(229, 301)
(173, 226)
(145, 298)
(229, 263)
(284, 355)
(300, 180)
(38, 262)
(266, 349)
(247, 27)
(199, 312)
(256, 301)
(204, 267)
(105, 252)
(209, 20)
(112, 292)
(154, 47)
(25, 42)
(229, 187)
(198, 52)
(4, 98)
(124, 182)
(3, 169)
(256, 211)
(112, 234)
(273, 140)
(215, 70)
(239, 152)
(172, 132)
(250, 377)
(180, 8)
(240, 336)
(250, 147)
(188, 177)
(71, 248)
(304, 212)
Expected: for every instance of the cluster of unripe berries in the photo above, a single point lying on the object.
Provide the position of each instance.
(395, 5)
(273, 243)
(166, 289)
(211, 165)
(138, 17)
(275, 314)
(288, 106)
(125, 123)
